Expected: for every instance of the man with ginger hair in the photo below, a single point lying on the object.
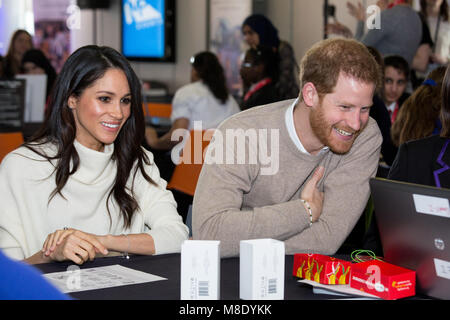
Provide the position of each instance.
(327, 148)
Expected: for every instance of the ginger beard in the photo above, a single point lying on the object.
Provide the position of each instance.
(339, 138)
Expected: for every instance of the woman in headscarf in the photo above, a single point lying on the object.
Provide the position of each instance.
(258, 30)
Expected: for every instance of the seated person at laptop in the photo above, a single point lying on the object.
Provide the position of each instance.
(324, 148)
(426, 161)
(84, 185)
(205, 99)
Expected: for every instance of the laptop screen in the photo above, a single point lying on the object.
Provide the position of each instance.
(414, 226)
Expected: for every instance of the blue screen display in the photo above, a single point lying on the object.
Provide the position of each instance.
(143, 28)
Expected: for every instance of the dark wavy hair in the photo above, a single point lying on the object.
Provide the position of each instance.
(212, 74)
(85, 66)
(37, 57)
(418, 115)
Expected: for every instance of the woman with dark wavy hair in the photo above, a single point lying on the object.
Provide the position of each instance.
(83, 185)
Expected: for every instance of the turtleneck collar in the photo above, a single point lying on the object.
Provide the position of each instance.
(93, 164)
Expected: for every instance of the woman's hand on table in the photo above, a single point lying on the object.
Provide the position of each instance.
(74, 245)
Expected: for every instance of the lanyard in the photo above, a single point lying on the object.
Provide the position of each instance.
(256, 87)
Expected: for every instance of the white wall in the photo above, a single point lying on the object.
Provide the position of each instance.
(16, 14)
(301, 21)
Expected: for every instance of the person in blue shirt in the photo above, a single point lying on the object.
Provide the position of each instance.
(19, 281)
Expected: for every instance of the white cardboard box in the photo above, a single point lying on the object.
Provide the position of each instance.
(200, 270)
(261, 267)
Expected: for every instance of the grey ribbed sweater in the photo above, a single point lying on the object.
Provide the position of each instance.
(235, 202)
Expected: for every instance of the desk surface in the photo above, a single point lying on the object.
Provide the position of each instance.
(168, 266)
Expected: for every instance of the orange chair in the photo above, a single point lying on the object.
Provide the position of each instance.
(185, 175)
(8, 142)
(160, 110)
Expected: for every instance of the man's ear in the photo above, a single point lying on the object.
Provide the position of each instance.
(310, 95)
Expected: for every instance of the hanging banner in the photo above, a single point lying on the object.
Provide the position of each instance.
(225, 37)
(52, 33)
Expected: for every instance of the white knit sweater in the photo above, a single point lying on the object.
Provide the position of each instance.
(27, 216)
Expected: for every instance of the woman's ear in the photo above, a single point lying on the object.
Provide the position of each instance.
(310, 95)
(72, 102)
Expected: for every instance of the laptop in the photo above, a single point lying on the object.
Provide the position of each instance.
(414, 225)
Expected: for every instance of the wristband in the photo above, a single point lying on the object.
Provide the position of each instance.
(125, 254)
(308, 208)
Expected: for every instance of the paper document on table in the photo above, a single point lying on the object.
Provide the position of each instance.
(337, 289)
(76, 279)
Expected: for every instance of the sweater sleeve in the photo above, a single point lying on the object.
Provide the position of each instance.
(346, 191)
(161, 218)
(217, 208)
(12, 238)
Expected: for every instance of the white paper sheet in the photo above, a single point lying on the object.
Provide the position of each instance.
(337, 289)
(76, 279)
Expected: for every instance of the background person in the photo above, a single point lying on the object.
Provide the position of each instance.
(259, 30)
(381, 115)
(436, 13)
(419, 115)
(400, 31)
(259, 70)
(21, 42)
(35, 62)
(84, 185)
(396, 76)
(423, 161)
(205, 99)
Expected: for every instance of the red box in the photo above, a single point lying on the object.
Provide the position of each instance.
(322, 269)
(383, 279)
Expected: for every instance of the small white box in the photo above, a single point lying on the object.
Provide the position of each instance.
(200, 270)
(261, 267)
